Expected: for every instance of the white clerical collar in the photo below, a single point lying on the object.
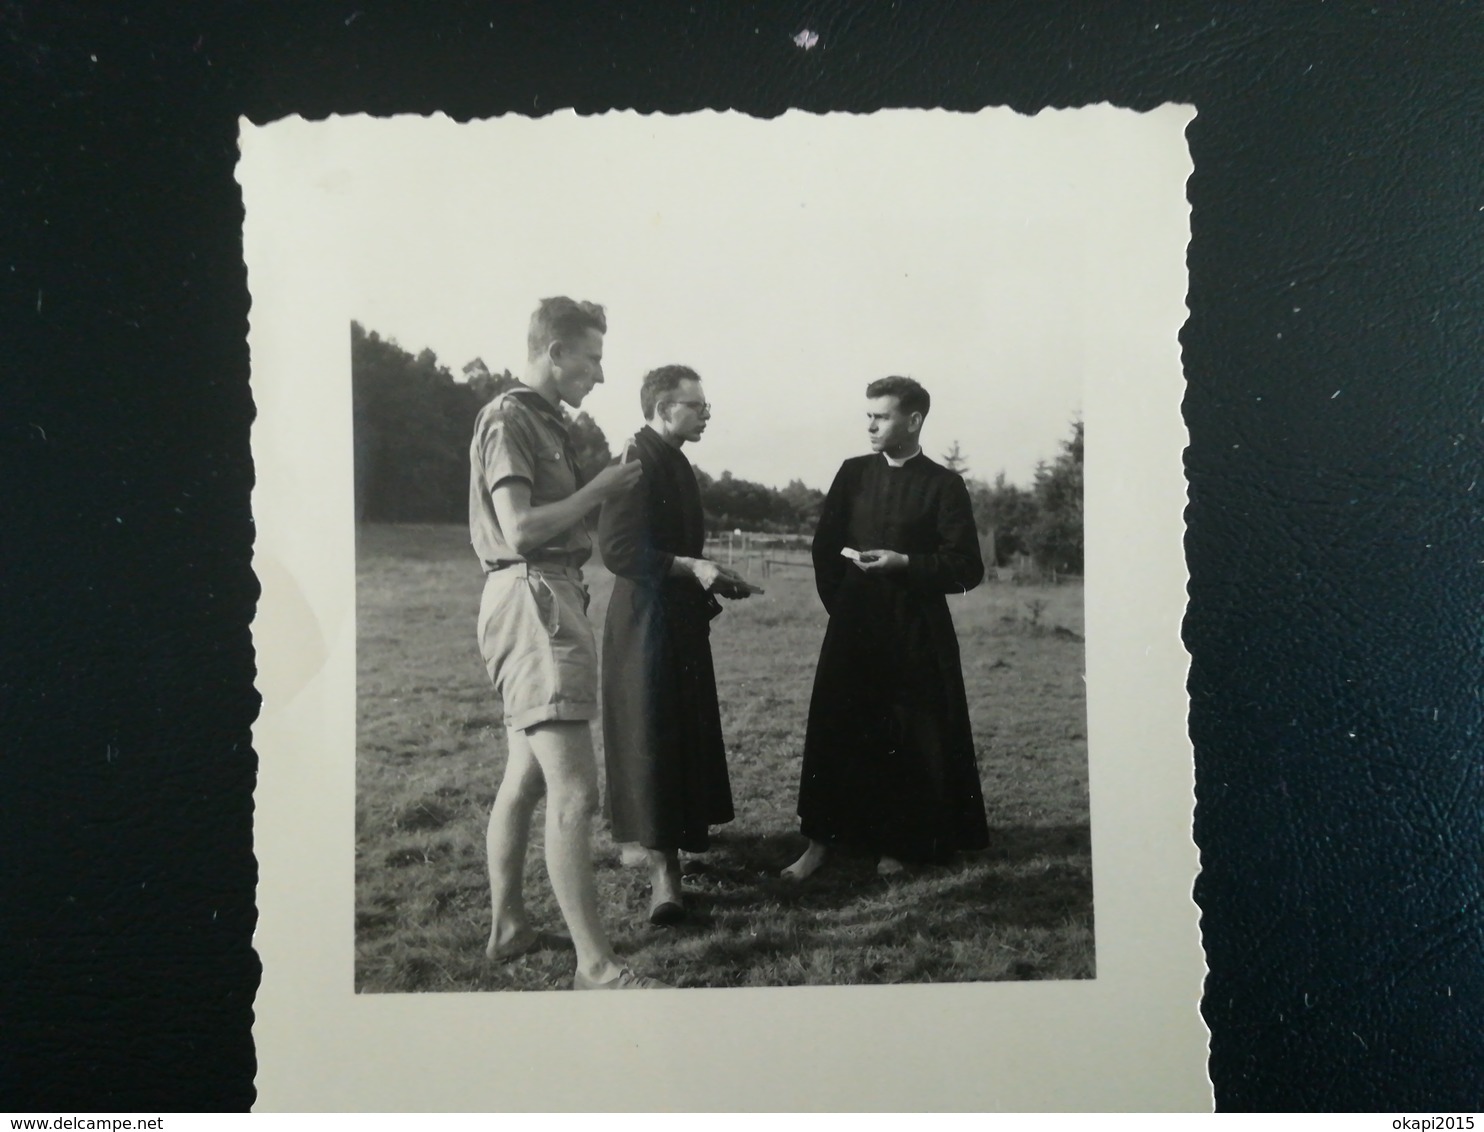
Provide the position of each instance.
(903, 460)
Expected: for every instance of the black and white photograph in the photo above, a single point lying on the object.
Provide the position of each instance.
(814, 461)
(732, 508)
(825, 742)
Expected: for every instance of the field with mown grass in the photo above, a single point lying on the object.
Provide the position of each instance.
(431, 748)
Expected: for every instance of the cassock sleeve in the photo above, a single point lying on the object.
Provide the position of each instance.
(956, 566)
(626, 537)
(829, 538)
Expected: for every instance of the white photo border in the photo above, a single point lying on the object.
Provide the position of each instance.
(1130, 1039)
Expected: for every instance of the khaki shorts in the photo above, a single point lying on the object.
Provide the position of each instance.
(538, 645)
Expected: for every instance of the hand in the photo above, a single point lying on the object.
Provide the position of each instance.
(732, 584)
(705, 571)
(886, 561)
(616, 479)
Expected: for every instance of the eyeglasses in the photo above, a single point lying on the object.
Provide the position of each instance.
(698, 406)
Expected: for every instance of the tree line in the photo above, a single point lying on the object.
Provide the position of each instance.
(1041, 524)
(413, 422)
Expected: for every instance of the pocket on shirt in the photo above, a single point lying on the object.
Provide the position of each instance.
(553, 477)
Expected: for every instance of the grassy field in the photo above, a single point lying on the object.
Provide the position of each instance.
(431, 748)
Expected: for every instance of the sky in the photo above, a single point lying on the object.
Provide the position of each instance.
(789, 261)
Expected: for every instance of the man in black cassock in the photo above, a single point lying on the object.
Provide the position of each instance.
(889, 762)
(667, 770)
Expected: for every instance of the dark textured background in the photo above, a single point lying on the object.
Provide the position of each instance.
(1334, 542)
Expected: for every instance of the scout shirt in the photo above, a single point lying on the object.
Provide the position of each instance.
(520, 435)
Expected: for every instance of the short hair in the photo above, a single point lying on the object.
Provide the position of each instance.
(658, 382)
(561, 319)
(911, 397)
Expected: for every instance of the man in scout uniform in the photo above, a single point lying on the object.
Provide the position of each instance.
(527, 503)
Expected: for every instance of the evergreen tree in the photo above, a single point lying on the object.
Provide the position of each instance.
(1004, 514)
(954, 460)
(1056, 535)
(1043, 521)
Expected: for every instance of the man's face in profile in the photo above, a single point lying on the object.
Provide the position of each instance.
(687, 410)
(891, 430)
(580, 366)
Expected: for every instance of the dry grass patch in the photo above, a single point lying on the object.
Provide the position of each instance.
(430, 750)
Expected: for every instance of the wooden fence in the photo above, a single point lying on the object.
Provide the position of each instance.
(760, 556)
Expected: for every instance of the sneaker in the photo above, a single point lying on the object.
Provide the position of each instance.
(626, 979)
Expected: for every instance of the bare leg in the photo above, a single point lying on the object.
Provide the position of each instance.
(505, 844)
(564, 752)
(809, 863)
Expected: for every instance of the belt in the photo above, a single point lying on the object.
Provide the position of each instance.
(524, 568)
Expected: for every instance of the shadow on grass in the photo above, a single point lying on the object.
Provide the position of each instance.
(1057, 855)
(1021, 909)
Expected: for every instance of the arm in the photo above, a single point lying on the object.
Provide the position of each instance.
(829, 539)
(710, 575)
(625, 541)
(529, 527)
(956, 566)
